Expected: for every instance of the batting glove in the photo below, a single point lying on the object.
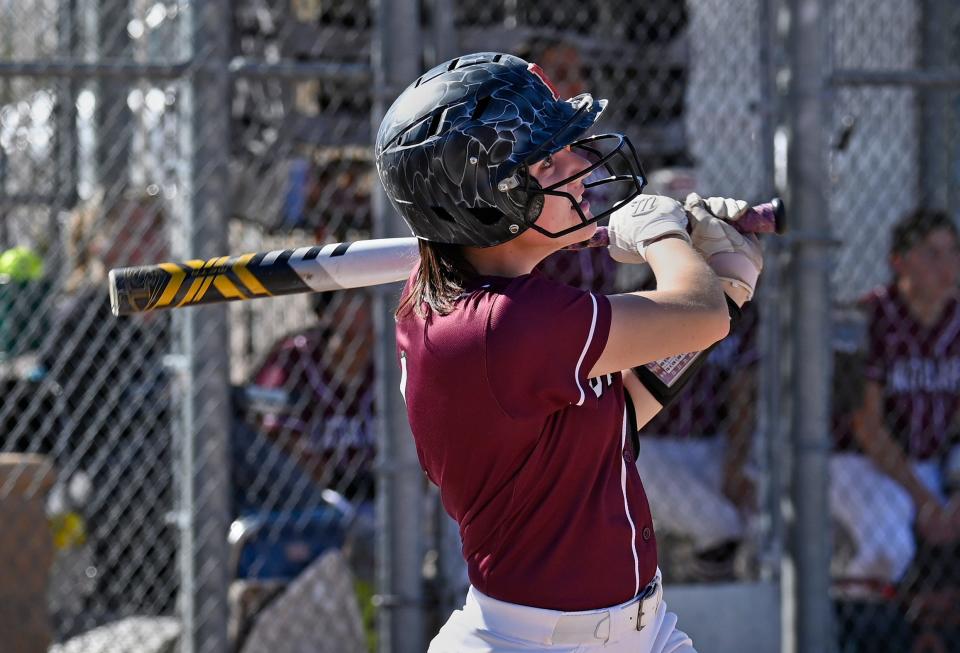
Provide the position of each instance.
(735, 257)
(725, 208)
(645, 219)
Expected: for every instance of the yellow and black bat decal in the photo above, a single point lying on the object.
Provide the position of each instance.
(191, 283)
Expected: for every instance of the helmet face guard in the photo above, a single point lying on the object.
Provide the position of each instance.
(613, 177)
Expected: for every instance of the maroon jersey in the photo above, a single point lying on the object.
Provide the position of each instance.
(702, 408)
(918, 369)
(532, 458)
(590, 268)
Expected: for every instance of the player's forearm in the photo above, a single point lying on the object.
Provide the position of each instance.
(878, 444)
(686, 278)
(889, 457)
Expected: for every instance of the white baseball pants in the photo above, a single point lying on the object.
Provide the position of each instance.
(877, 513)
(683, 478)
(492, 626)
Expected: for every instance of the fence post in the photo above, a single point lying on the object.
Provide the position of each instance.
(934, 106)
(205, 408)
(807, 165)
(114, 122)
(770, 389)
(396, 60)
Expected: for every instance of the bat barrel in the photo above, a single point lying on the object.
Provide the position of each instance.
(197, 282)
(316, 268)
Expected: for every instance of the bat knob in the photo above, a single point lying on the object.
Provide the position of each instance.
(766, 218)
(779, 214)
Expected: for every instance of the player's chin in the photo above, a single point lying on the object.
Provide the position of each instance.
(584, 232)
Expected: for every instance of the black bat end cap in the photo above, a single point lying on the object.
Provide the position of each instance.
(779, 214)
(114, 298)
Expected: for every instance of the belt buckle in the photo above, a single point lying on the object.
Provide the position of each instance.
(647, 593)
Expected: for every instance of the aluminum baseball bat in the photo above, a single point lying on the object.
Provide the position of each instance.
(316, 268)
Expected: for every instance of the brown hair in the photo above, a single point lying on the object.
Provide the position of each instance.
(442, 277)
(917, 225)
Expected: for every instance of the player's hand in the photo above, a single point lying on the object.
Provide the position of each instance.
(645, 219)
(735, 257)
(939, 524)
(725, 208)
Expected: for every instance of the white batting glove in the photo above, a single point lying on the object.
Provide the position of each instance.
(644, 219)
(734, 257)
(725, 208)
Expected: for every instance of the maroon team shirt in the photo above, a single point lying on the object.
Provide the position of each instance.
(918, 369)
(532, 458)
(590, 268)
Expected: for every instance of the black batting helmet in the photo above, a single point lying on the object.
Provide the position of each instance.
(453, 151)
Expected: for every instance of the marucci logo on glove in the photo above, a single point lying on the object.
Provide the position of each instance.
(644, 204)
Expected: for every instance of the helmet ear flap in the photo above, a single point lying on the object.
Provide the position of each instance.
(524, 194)
(534, 207)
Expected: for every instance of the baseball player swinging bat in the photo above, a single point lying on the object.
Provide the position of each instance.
(317, 268)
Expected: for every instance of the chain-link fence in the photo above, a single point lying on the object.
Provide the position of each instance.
(893, 188)
(242, 478)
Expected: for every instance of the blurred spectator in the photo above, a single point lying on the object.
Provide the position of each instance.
(313, 396)
(888, 486)
(694, 458)
(330, 193)
(111, 420)
(303, 447)
(22, 292)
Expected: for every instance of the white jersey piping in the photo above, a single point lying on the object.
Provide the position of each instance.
(626, 507)
(576, 373)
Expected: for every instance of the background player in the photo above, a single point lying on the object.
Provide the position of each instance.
(513, 382)
(909, 407)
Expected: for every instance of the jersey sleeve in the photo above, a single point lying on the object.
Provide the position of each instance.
(542, 340)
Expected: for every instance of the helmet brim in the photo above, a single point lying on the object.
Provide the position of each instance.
(565, 127)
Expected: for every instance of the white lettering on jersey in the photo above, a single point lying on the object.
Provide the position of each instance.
(917, 374)
(403, 374)
(597, 384)
(339, 432)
